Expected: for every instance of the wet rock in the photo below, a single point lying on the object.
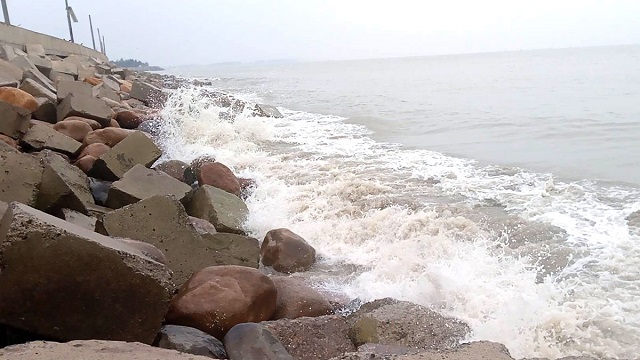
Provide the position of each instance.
(20, 177)
(75, 129)
(633, 220)
(108, 136)
(85, 163)
(118, 293)
(174, 168)
(94, 125)
(79, 89)
(141, 183)
(14, 120)
(225, 211)
(202, 226)
(393, 322)
(247, 186)
(267, 111)
(149, 94)
(37, 91)
(286, 251)
(162, 222)
(234, 249)
(295, 299)
(147, 249)
(135, 149)
(99, 189)
(79, 219)
(87, 107)
(94, 350)
(63, 186)
(128, 119)
(40, 137)
(481, 350)
(235, 295)
(191, 341)
(254, 341)
(220, 176)
(152, 127)
(313, 338)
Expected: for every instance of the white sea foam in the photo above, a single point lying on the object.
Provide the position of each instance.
(398, 220)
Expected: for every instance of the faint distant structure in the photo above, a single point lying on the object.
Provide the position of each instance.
(5, 11)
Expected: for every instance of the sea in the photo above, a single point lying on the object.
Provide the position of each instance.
(497, 188)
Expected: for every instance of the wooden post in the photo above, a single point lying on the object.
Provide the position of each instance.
(5, 11)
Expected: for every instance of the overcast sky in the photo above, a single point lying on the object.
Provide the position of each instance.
(185, 32)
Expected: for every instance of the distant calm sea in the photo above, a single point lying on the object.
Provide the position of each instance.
(492, 187)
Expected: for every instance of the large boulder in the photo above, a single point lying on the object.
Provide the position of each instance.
(75, 129)
(220, 176)
(20, 98)
(23, 181)
(253, 341)
(313, 338)
(296, 299)
(225, 211)
(191, 341)
(104, 92)
(162, 222)
(135, 149)
(109, 136)
(92, 350)
(286, 251)
(35, 89)
(129, 119)
(94, 124)
(234, 295)
(88, 286)
(141, 183)
(14, 120)
(85, 163)
(63, 186)
(88, 107)
(392, 322)
(174, 168)
(40, 137)
(96, 150)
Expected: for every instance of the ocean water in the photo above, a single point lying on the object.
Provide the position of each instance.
(491, 187)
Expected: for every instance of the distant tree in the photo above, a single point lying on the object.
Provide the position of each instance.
(130, 63)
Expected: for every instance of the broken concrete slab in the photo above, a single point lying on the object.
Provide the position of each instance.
(38, 77)
(35, 49)
(234, 249)
(76, 88)
(140, 183)
(10, 71)
(23, 62)
(267, 111)
(78, 218)
(46, 111)
(87, 107)
(42, 64)
(37, 90)
(225, 211)
(135, 149)
(14, 120)
(88, 285)
(65, 68)
(7, 52)
(103, 91)
(20, 177)
(56, 76)
(111, 82)
(40, 137)
(63, 186)
(147, 93)
(103, 69)
(163, 222)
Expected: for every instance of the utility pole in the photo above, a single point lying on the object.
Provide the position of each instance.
(104, 46)
(5, 11)
(100, 40)
(93, 39)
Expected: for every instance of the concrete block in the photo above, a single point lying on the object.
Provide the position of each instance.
(35, 49)
(14, 120)
(135, 149)
(42, 64)
(103, 69)
(37, 90)
(76, 88)
(7, 52)
(267, 111)
(225, 211)
(63, 186)
(77, 218)
(102, 91)
(147, 93)
(40, 137)
(56, 76)
(20, 177)
(87, 107)
(23, 63)
(10, 71)
(46, 111)
(39, 77)
(65, 68)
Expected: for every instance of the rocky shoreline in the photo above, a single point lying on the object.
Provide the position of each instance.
(105, 253)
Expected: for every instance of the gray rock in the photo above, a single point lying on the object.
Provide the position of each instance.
(10, 71)
(56, 77)
(14, 120)
(162, 222)
(7, 52)
(87, 107)
(63, 186)
(253, 341)
(147, 93)
(23, 62)
(37, 90)
(77, 218)
(35, 49)
(65, 68)
(40, 137)
(39, 77)
(191, 341)
(267, 111)
(234, 249)
(46, 111)
(225, 211)
(135, 149)
(75, 88)
(141, 183)
(102, 91)
(23, 181)
(42, 64)
(103, 69)
(88, 285)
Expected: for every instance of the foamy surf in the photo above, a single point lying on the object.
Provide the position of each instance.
(433, 229)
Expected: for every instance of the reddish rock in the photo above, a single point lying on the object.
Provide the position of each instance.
(85, 163)
(219, 176)
(217, 298)
(113, 123)
(109, 136)
(126, 86)
(129, 119)
(246, 187)
(286, 251)
(96, 150)
(93, 80)
(295, 299)
(173, 168)
(75, 129)
(94, 124)
(18, 98)
(9, 141)
(202, 226)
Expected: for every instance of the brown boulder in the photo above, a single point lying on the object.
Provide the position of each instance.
(286, 251)
(113, 123)
(96, 150)
(202, 226)
(85, 163)
(17, 97)
(108, 136)
(93, 81)
(129, 119)
(94, 124)
(234, 295)
(219, 176)
(75, 129)
(295, 299)
(173, 168)
(313, 338)
(9, 141)
(126, 86)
